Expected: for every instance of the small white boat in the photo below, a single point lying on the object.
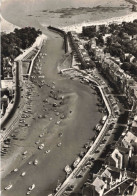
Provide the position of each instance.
(8, 187)
(68, 169)
(31, 187)
(41, 146)
(59, 144)
(15, 170)
(36, 162)
(25, 152)
(23, 174)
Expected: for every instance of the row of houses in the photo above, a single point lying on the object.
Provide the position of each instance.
(79, 51)
(111, 67)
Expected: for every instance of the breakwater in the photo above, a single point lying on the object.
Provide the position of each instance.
(63, 34)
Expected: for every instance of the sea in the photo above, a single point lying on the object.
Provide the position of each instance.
(61, 13)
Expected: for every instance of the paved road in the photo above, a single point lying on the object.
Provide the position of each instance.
(81, 116)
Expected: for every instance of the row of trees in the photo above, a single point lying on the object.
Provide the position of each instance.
(127, 27)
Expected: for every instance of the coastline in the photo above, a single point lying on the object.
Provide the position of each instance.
(7, 26)
(78, 27)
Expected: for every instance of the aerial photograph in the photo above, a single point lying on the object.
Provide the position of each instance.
(68, 98)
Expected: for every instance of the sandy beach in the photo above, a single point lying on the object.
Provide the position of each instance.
(78, 27)
(62, 13)
(6, 26)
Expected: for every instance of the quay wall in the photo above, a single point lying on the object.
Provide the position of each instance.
(63, 34)
(32, 62)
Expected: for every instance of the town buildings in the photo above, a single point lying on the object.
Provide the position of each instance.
(120, 166)
(7, 85)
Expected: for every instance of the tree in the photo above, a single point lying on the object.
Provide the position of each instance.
(135, 21)
(134, 9)
(100, 40)
(12, 43)
(126, 66)
(109, 41)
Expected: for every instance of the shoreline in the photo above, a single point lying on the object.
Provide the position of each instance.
(78, 27)
(6, 26)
